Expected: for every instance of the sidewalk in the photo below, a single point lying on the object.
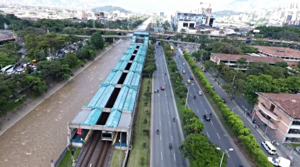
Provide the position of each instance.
(282, 151)
(12, 118)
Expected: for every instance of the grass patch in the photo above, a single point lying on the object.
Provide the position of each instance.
(295, 145)
(115, 162)
(67, 158)
(139, 155)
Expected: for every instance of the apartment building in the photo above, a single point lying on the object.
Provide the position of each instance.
(231, 60)
(291, 56)
(280, 112)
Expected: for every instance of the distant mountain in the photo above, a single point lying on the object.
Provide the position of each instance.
(248, 5)
(225, 13)
(109, 8)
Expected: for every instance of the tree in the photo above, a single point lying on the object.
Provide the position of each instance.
(97, 41)
(263, 83)
(147, 95)
(54, 70)
(228, 88)
(236, 30)
(183, 30)
(110, 40)
(282, 64)
(242, 62)
(153, 39)
(299, 65)
(201, 152)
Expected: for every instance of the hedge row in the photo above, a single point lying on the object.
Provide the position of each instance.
(233, 120)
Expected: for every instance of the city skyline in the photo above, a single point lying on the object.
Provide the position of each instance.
(166, 6)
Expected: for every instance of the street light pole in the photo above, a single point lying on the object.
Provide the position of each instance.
(218, 148)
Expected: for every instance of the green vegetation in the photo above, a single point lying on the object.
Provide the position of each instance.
(67, 160)
(115, 162)
(139, 155)
(39, 27)
(259, 77)
(233, 120)
(282, 33)
(31, 83)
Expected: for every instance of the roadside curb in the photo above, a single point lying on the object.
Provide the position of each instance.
(31, 104)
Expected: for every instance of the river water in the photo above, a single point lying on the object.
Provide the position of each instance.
(42, 134)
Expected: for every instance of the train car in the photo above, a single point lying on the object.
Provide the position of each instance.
(107, 135)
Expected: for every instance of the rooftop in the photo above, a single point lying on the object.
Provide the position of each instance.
(234, 57)
(290, 103)
(279, 51)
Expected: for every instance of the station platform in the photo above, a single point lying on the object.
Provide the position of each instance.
(123, 139)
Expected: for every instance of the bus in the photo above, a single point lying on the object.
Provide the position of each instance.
(4, 69)
(172, 48)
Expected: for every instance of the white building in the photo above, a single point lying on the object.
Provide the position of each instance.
(190, 20)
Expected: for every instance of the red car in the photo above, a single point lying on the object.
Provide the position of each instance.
(162, 88)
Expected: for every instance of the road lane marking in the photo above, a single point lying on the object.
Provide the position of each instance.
(158, 94)
(171, 137)
(166, 95)
(159, 123)
(207, 134)
(211, 122)
(169, 123)
(205, 111)
(174, 157)
(218, 136)
(194, 101)
(197, 110)
(201, 102)
(161, 155)
(160, 137)
(159, 111)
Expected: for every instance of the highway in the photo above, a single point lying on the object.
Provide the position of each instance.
(163, 112)
(214, 129)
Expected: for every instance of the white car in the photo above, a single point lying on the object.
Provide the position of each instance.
(200, 93)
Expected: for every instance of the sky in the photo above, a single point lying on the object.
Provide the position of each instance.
(167, 6)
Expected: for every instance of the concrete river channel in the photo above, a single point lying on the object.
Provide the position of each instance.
(42, 134)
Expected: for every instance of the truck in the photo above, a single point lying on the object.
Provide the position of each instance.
(280, 161)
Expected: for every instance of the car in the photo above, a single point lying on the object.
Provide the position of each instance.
(191, 78)
(188, 81)
(297, 150)
(162, 88)
(206, 117)
(183, 71)
(200, 93)
(224, 101)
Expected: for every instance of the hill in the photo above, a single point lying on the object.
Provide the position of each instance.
(109, 8)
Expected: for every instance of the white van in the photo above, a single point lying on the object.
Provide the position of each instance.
(269, 147)
(4, 69)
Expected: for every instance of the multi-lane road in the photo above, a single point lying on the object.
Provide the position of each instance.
(163, 112)
(213, 129)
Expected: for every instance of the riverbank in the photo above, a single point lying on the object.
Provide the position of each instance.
(12, 118)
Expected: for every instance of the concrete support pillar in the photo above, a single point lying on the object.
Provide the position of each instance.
(52, 163)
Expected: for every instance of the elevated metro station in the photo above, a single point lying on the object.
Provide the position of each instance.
(112, 109)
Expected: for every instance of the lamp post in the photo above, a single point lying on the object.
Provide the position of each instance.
(218, 148)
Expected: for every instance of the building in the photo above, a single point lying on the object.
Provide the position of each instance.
(231, 59)
(195, 19)
(162, 14)
(281, 115)
(291, 56)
